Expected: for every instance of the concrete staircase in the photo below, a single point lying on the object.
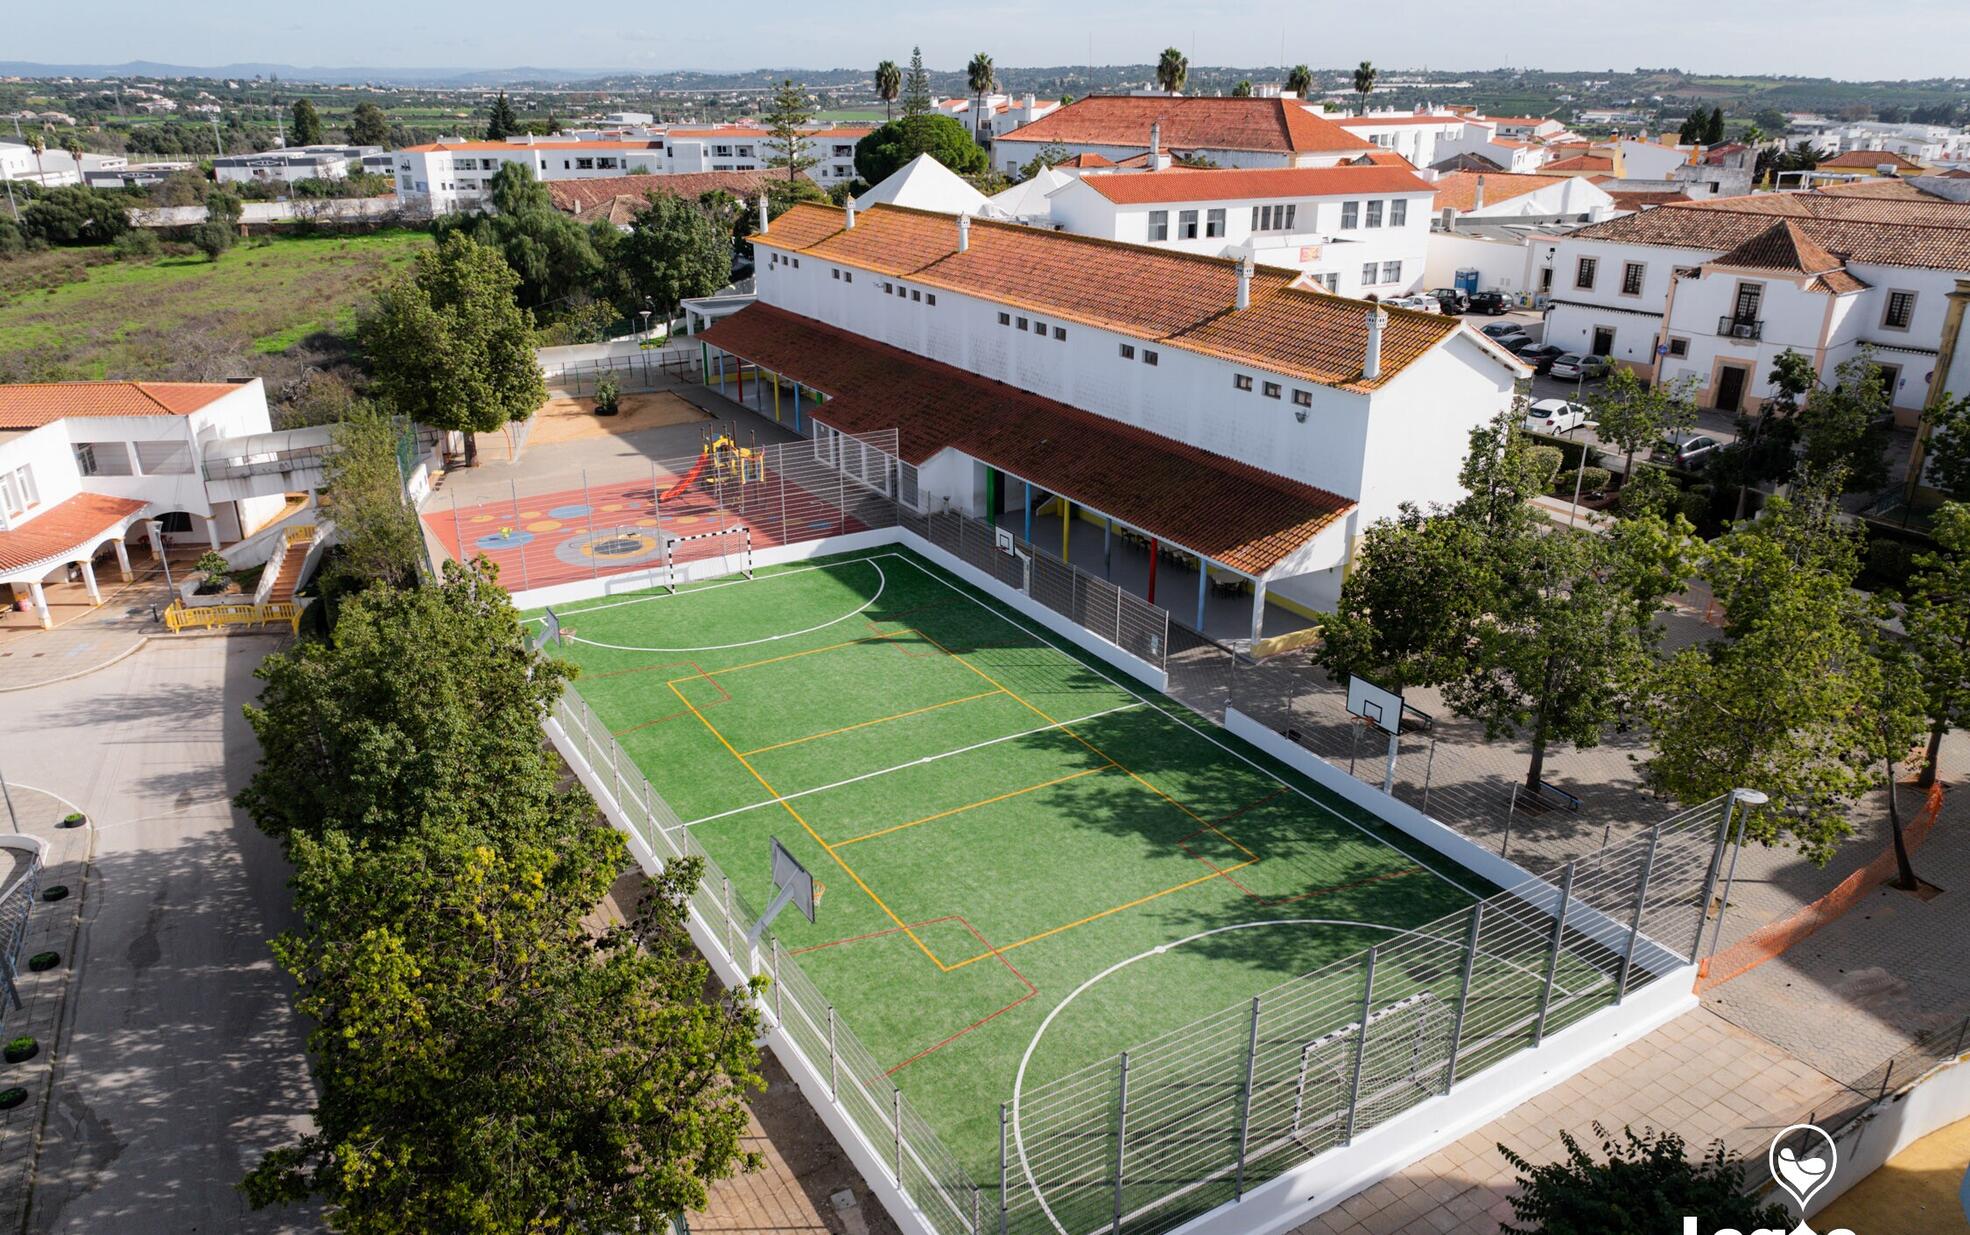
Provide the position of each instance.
(288, 579)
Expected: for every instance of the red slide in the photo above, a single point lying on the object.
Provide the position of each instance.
(690, 478)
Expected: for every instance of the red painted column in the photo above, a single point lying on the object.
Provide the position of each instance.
(1155, 551)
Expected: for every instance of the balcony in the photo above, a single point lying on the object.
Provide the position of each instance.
(1740, 328)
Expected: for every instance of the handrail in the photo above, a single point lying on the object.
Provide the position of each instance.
(181, 617)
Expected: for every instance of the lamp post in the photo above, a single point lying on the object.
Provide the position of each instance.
(646, 325)
(1744, 800)
(163, 553)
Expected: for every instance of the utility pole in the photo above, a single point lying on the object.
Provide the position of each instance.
(217, 140)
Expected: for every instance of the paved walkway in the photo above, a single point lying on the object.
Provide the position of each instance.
(87, 637)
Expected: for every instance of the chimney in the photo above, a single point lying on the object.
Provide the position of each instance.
(1031, 102)
(851, 213)
(964, 232)
(763, 220)
(1156, 160)
(1245, 282)
(1371, 364)
(1477, 202)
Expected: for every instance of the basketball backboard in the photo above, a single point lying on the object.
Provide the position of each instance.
(1381, 708)
(789, 874)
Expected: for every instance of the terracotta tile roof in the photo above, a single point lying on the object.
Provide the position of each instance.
(1643, 199)
(1877, 187)
(1459, 189)
(1183, 185)
(1580, 163)
(1151, 293)
(743, 131)
(35, 404)
(575, 196)
(1930, 235)
(1205, 123)
(62, 528)
(1383, 158)
(1838, 283)
(1089, 159)
(1782, 247)
(1235, 514)
(1871, 159)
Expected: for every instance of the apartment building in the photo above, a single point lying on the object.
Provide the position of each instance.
(1225, 132)
(1415, 136)
(1716, 290)
(1216, 407)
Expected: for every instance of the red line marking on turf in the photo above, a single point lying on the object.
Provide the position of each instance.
(960, 919)
(723, 695)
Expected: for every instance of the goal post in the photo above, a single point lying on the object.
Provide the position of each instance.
(742, 551)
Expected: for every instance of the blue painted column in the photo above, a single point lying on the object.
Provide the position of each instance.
(1029, 512)
(704, 362)
(1107, 547)
(796, 407)
(1203, 577)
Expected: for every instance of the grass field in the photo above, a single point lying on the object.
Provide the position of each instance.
(75, 313)
(995, 822)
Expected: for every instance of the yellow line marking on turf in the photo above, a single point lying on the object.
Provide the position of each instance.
(880, 720)
(1095, 917)
(959, 810)
(807, 827)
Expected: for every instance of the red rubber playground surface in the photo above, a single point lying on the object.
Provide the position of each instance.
(605, 529)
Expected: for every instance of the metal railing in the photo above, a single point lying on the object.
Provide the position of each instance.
(182, 617)
(1148, 1139)
(1740, 327)
(857, 1084)
(636, 372)
(16, 904)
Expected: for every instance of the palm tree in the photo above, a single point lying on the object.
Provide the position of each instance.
(1243, 90)
(1300, 80)
(73, 148)
(981, 79)
(889, 84)
(1364, 83)
(1172, 70)
(37, 144)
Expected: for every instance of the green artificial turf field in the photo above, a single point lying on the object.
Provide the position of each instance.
(998, 824)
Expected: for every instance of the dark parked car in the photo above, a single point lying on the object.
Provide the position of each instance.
(1491, 304)
(1690, 452)
(1452, 299)
(1539, 355)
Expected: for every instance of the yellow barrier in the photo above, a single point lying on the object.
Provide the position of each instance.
(1288, 642)
(182, 617)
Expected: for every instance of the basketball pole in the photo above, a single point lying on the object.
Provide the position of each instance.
(588, 503)
(1395, 746)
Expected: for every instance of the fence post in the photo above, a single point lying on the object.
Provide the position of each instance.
(731, 950)
(1121, 1134)
(1003, 1114)
(1730, 878)
(1505, 846)
(1553, 958)
(834, 1067)
(1429, 766)
(779, 999)
(974, 1209)
(588, 504)
(896, 1126)
(1463, 994)
(1361, 1045)
(1245, 1103)
(1635, 926)
(1710, 879)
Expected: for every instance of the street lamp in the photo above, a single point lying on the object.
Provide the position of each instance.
(646, 325)
(163, 554)
(1744, 801)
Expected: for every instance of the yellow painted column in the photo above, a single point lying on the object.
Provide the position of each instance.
(1066, 526)
(776, 398)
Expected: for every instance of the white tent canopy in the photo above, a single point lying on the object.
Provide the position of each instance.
(924, 184)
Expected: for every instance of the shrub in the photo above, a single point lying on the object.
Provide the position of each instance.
(217, 570)
(137, 244)
(21, 1048)
(608, 396)
(1547, 459)
(1647, 1184)
(1591, 480)
(213, 238)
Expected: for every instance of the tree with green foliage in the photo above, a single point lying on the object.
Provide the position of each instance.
(1632, 416)
(1945, 459)
(1691, 133)
(1792, 700)
(220, 231)
(369, 126)
(983, 79)
(941, 137)
(741, 217)
(1299, 80)
(1936, 620)
(36, 144)
(448, 344)
(675, 249)
(214, 571)
(555, 257)
(889, 86)
(1050, 154)
(916, 87)
(502, 123)
(1646, 1185)
(1379, 632)
(486, 1061)
(1713, 127)
(1364, 82)
(786, 122)
(71, 214)
(306, 123)
(1847, 425)
(1243, 90)
(1172, 69)
(377, 534)
(1764, 450)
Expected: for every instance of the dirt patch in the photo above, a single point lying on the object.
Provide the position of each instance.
(573, 420)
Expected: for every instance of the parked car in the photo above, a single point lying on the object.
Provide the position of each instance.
(1690, 452)
(1556, 416)
(1491, 304)
(1574, 366)
(1539, 355)
(1452, 299)
(1499, 330)
(1420, 303)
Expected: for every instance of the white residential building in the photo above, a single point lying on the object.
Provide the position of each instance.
(1002, 112)
(1214, 408)
(1226, 132)
(1417, 137)
(1716, 290)
(85, 465)
(291, 164)
(1355, 230)
(1499, 195)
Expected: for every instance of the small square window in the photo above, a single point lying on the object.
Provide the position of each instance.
(1679, 347)
(916, 294)
(1023, 323)
(1241, 381)
(1005, 319)
(1302, 398)
(836, 272)
(1060, 332)
(848, 276)
(930, 298)
(1040, 326)
(1272, 390)
(887, 288)
(1128, 351)
(1148, 357)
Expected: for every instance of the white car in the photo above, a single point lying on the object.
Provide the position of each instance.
(1555, 416)
(1422, 304)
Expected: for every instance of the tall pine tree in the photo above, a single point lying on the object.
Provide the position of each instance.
(502, 124)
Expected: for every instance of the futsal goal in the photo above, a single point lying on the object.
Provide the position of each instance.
(729, 547)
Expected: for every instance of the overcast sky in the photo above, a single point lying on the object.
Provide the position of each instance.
(1852, 39)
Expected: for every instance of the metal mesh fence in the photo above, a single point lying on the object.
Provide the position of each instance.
(857, 1083)
(644, 371)
(1144, 1141)
(1098, 606)
(15, 905)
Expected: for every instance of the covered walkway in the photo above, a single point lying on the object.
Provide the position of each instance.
(67, 538)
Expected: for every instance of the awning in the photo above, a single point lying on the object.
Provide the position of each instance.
(1238, 516)
(63, 533)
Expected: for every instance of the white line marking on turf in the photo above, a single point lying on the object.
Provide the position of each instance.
(882, 582)
(709, 587)
(740, 810)
(1193, 728)
(1019, 1078)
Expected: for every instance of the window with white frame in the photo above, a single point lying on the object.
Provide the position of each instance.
(1632, 274)
(18, 494)
(1398, 211)
(1391, 272)
(102, 458)
(1159, 225)
(1214, 223)
(1302, 398)
(1241, 381)
(1350, 216)
(1271, 390)
(1186, 225)
(1368, 272)
(1277, 218)
(1375, 213)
